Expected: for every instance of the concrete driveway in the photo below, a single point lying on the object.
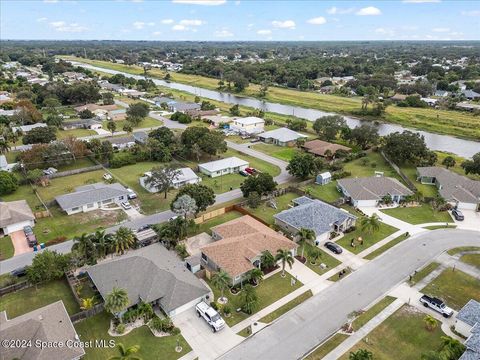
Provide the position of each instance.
(132, 213)
(471, 222)
(20, 243)
(206, 344)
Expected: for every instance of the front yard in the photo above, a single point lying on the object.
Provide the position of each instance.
(6, 248)
(96, 328)
(419, 214)
(280, 152)
(324, 258)
(368, 239)
(26, 300)
(270, 290)
(471, 259)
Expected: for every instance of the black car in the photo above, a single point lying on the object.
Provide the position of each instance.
(457, 214)
(336, 249)
(143, 228)
(19, 272)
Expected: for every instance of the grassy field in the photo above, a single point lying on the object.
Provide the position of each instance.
(26, 300)
(463, 249)
(324, 258)
(266, 212)
(207, 225)
(148, 122)
(456, 288)
(419, 215)
(327, 347)
(6, 248)
(269, 291)
(25, 192)
(419, 275)
(287, 307)
(437, 227)
(62, 134)
(462, 124)
(96, 327)
(471, 259)
(280, 152)
(368, 315)
(328, 192)
(402, 336)
(368, 239)
(385, 247)
(366, 166)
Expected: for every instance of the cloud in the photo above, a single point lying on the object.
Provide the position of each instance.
(237, 3)
(224, 33)
(470, 13)
(200, 2)
(179, 28)
(439, 29)
(139, 25)
(334, 10)
(191, 22)
(264, 32)
(420, 1)
(167, 21)
(50, 1)
(156, 33)
(62, 26)
(383, 31)
(287, 24)
(368, 11)
(317, 21)
(42, 19)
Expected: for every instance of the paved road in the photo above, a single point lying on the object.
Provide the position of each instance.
(301, 330)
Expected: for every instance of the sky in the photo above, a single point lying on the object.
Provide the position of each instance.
(230, 20)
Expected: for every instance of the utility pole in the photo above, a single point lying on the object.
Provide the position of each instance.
(85, 53)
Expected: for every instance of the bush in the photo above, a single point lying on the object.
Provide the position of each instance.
(341, 175)
(8, 183)
(336, 166)
(120, 329)
(226, 309)
(214, 305)
(181, 118)
(175, 331)
(122, 159)
(181, 251)
(156, 324)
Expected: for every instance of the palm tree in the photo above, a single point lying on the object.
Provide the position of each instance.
(125, 353)
(285, 256)
(103, 242)
(452, 348)
(84, 246)
(267, 260)
(361, 354)
(370, 224)
(250, 299)
(432, 355)
(221, 280)
(304, 236)
(430, 322)
(123, 240)
(255, 275)
(116, 301)
(88, 303)
(4, 146)
(314, 254)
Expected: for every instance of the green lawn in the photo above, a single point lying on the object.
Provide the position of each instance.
(419, 214)
(269, 291)
(437, 227)
(26, 300)
(463, 249)
(374, 162)
(411, 172)
(62, 134)
(6, 248)
(336, 277)
(280, 152)
(245, 332)
(419, 275)
(456, 288)
(324, 258)
(368, 239)
(79, 164)
(385, 247)
(96, 327)
(148, 122)
(287, 307)
(266, 212)
(368, 315)
(207, 225)
(402, 336)
(327, 347)
(25, 192)
(328, 193)
(471, 259)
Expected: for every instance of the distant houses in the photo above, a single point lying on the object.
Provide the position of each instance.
(26, 128)
(14, 215)
(324, 148)
(281, 137)
(223, 166)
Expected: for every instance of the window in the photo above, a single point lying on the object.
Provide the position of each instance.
(89, 206)
(75, 209)
(204, 258)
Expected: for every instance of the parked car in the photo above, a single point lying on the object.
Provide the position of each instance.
(50, 171)
(143, 228)
(126, 205)
(243, 173)
(173, 218)
(211, 316)
(437, 305)
(250, 170)
(458, 215)
(19, 272)
(131, 194)
(27, 230)
(336, 249)
(31, 239)
(107, 176)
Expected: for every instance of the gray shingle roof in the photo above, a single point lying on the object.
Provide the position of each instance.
(473, 347)
(88, 194)
(373, 188)
(470, 313)
(180, 106)
(14, 212)
(314, 214)
(149, 274)
(282, 135)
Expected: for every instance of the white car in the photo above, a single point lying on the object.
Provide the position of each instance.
(126, 205)
(131, 194)
(210, 315)
(107, 176)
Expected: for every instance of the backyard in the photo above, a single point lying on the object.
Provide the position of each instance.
(328, 192)
(207, 225)
(266, 212)
(419, 214)
(282, 153)
(369, 239)
(96, 328)
(366, 166)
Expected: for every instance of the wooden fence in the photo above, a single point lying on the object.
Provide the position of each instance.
(75, 171)
(404, 177)
(87, 313)
(14, 287)
(212, 214)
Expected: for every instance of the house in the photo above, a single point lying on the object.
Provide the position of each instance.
(371, 190)
(159, 100)
(8, 112)
(223, 166)
(4, 165)
(47, 325)
(112, 87)
(14, 215)
(183, 106)
(324, 219)
(471, 95)
(398, 97)
(140, 137)
(281, 137)
(238, 247)
(429, 101)
(91, 197)
(5, 97)
(185, 176)
(323, 178)
(99, 110)
(460, 191)
(441, 93)
(131, 93)
(152, 275)
(248, 125)
(218, 120)
(468, 106)
(472, 345)
(117, 115)
(198, 113)
(92, 124)
(324, 148)
(26, 128)
(119, 143)
(467, 323)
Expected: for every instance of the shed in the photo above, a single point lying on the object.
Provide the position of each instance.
(323, 178)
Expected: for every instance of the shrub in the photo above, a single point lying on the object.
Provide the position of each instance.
(120, 329)
(156, 324)
(341, 175)
(8, 183)
(181, 251)
(214, 305)
(227, 309)
(175, 331)
(122, 159)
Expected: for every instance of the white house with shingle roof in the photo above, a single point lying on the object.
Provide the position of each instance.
(468, 317)
(14, 215)
(223, 166)
(248, 125)
(281, 137)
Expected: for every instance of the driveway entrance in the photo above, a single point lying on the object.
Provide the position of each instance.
(20, 243)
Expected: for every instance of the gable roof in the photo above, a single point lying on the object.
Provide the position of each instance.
(472, 344)
(313, 214)
(88, 194)
(183, 106)
(320, 147)
(373, 188)
(453, 186)
(243, 239)
(249, 120)
(221, 164)
(14, 212)
(282, 135)
(27, 128)
(470, 313)
(50, 323)
(149, 274)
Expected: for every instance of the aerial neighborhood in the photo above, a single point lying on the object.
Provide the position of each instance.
(239, 200)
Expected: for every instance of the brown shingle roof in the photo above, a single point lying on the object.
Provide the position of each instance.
(243, 239)
(319, 147)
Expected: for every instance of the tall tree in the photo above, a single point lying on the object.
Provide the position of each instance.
(116, 301)
(449, 162)
(370, 224)
(327, 127)
(262, 184)
(285, 256)
(305, 235)
(185, 206)
(221, 280)
(249, 298)
(111, 126)
(472, 166)
(202, 194)
(302, 165)
(85, 248)
(123, 240)
(162, 178)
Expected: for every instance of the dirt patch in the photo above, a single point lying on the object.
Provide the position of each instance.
(105, 217)
(196, 242)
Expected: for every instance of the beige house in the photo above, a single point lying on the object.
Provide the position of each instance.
(14, 215)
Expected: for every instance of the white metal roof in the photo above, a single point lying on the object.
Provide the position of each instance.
(222, 164)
